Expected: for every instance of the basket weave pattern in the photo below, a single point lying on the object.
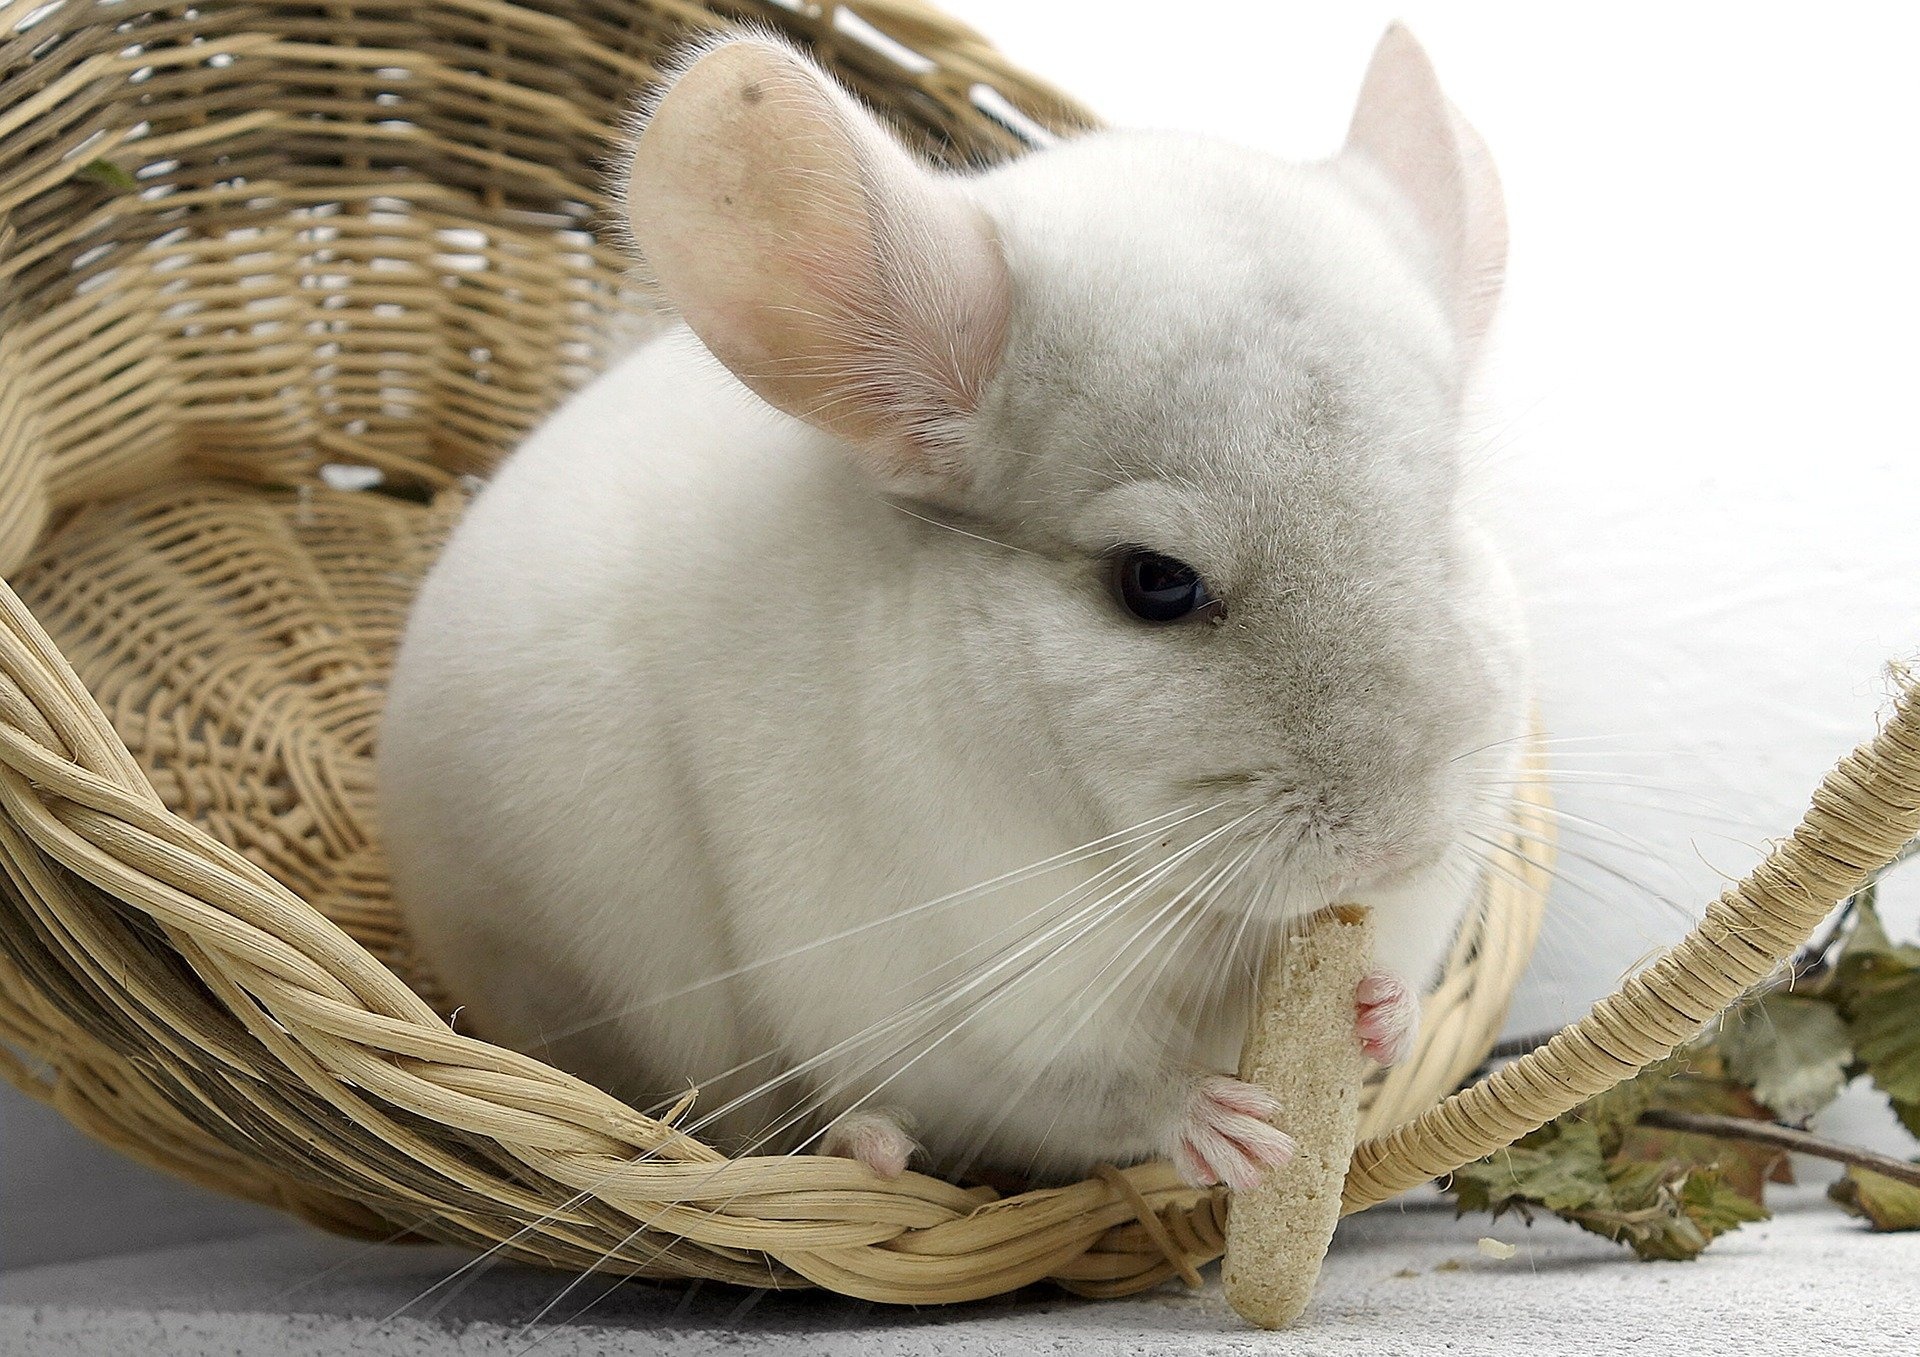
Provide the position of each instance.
(245, 243)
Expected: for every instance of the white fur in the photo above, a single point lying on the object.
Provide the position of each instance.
(688, 693)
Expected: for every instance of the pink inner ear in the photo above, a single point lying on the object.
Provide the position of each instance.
(941, 297)
(1481, 268)
(1405, 125)
(836, 277)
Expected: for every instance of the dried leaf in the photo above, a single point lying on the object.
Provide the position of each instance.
(1559, 1167)
(1668, 1194)
(110, 174)
(1668, 1211)
(1867, 936)
(1704, 1196)
(1909, 1114)
(1791, 1051)
(1885, 1203)
(1614, 1113)
(1883, 1012)
(1745, 1168)
(1716, 1206)
(1866, 952)
(1704, 1087)
(1660, 1206)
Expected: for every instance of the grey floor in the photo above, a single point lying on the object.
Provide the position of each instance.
(64, 1197)
(1400, 1280)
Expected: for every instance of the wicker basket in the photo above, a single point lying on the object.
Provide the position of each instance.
(249, 251)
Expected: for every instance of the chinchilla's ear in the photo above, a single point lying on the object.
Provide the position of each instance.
(835, 275)
(1406, 127)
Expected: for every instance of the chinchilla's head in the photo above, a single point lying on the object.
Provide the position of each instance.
(1196, 412)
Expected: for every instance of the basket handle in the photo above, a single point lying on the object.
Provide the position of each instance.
(1864, 812)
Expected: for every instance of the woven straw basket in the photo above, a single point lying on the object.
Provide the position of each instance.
(246, 248)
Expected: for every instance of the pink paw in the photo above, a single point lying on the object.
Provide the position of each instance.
(1226, 1135)
(876, 1139)
(1387, 1014)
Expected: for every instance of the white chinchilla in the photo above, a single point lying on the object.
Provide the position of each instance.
(905, 698)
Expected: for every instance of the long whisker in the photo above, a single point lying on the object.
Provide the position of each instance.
(1188, 921)
(990, 541)
(1104, 910)
(1544, 741)
(1220, 976)
(982, 974)
(638, 1230)
(1112, 869)
(955, 989)
(1610, 834)
(1150, 829)
(1146, 829)
(1487, 864)
(1182, 904)
(1548, 844)
(1217, 978)
(1602, 829)
(1565, 853)
(1079, 888)
(1039, 1068)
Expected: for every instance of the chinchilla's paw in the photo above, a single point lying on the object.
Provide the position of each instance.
(1226, 1135)
(1386, 1016)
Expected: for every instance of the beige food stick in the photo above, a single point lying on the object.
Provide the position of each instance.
(1303, 1050)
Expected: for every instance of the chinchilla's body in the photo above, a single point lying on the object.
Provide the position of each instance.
(1102, 510)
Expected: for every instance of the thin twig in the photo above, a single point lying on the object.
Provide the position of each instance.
(1781, 1137)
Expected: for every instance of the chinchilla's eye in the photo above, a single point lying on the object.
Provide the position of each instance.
(1158, 589)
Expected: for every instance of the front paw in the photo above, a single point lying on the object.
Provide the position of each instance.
(1386, 1016)
(1226, 1135)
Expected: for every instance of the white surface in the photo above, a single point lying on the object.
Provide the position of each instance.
(1810, 1281)
(1700, 430)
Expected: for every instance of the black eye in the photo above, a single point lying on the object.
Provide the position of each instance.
(1156, 588)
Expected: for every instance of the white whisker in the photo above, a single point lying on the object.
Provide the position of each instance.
(1145, 830)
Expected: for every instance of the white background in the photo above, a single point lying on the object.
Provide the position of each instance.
(1703, 432)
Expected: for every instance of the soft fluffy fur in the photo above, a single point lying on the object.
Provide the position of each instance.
(703, 690)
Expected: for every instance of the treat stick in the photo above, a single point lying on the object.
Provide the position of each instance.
(1302, 1049)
